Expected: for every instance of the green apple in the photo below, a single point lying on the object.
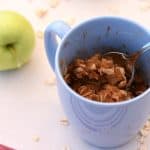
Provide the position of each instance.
(17, 40)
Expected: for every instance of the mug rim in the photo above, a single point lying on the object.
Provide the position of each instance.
(70, 90)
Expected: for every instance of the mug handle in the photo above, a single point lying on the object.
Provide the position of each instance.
(57, 28)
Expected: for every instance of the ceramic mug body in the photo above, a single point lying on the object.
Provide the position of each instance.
(100, 124)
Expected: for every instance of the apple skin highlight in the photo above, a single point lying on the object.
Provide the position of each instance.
(17, 40)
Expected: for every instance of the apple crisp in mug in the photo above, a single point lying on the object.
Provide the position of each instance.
(119, 117)
(101, 79)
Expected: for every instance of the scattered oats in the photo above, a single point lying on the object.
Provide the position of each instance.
(54, 3)
(140, 139)
(146, 129)
(66, 147)
(36, 139)
(64, 122)
(143, 132)
(41, 12)
(51, 81)
(140, 142)
(39, 34)
(147, 126)
(70, 20)
(143, 147)
(145, 6)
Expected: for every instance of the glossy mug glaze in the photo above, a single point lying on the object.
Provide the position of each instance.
(100, 124)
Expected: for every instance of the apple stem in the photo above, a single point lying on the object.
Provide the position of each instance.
(13, 52)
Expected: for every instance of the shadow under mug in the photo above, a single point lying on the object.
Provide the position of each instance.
(100, 124)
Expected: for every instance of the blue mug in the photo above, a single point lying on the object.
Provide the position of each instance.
(106, 125)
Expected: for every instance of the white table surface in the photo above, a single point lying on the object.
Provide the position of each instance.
(29, 107)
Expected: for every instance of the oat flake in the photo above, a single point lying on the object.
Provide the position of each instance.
(144, 132)
(51, 81)
(54, 3)
(41, 12)
(66, 148)
(70, 20)
(64, 122)
(36, 139)
(143, 147)
(39, 34)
